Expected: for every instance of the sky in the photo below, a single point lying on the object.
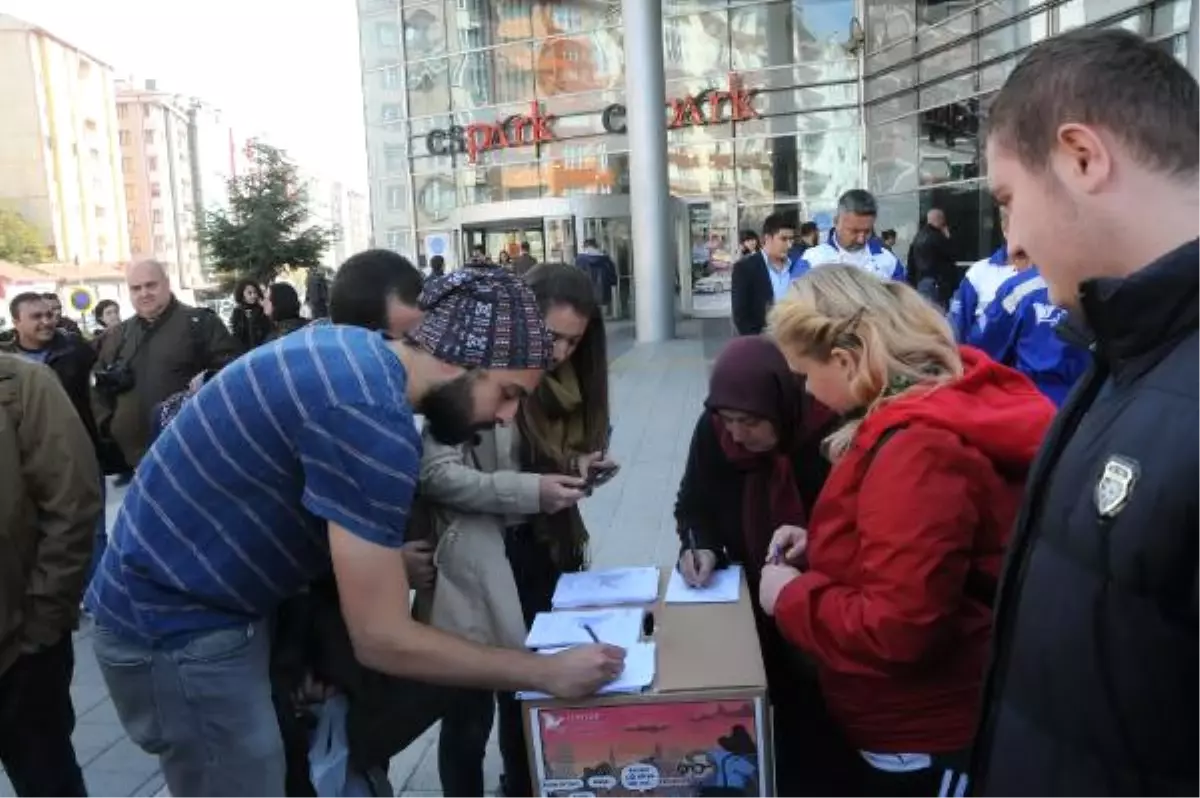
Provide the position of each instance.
(288, 70)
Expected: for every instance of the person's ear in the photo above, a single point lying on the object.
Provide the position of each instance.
(846, 361)
(1081, 158)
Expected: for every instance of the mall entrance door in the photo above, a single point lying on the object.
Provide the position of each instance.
(614, 236)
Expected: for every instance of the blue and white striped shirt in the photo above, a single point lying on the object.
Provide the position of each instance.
(227, 515)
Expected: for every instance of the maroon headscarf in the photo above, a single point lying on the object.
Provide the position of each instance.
(752, 376)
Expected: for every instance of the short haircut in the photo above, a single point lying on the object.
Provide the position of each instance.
(808, 228)
(888, 233)
(859, 202)
(14, 307)
(591, 242)
(524, 246)
(1111, 79)
(747, 235)
(362, 286)
(50, 296)
(101, 306)
(776, 222)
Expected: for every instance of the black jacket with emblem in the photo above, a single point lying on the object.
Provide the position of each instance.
(1093, 685)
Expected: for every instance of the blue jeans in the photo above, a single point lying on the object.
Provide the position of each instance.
(204, 709)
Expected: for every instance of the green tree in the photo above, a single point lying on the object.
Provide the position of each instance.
(266, 228)
(20, 241)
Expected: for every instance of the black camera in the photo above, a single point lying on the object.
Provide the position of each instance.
(114, 380)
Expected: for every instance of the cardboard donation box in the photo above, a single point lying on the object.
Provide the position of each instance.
(701, 728)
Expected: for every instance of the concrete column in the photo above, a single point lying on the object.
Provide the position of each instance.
(650, 193)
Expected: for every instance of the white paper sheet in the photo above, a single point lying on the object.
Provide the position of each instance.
(723, 588)
(618, 626)
(641, 665)
(606, 588)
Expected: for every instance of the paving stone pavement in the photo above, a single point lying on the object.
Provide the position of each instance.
(657, 392)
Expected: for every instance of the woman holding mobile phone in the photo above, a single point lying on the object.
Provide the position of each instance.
(512, 496)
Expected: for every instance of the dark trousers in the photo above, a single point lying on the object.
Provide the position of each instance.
(945, 776)
(36, 721)
(462, 742)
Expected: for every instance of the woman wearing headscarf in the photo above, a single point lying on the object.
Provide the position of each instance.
(889, 588)
(755, 466)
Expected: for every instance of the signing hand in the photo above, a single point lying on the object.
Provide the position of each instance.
(790, 542)
(582, 670)
(559, 491)
(697, 566)
(418, 562)
(772, 582)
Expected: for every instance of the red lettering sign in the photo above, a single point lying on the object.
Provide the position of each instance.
(515, 131)
(691, 111)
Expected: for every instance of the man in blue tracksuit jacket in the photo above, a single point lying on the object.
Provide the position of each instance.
(1019, 330)
(975, 293)
(852, 241)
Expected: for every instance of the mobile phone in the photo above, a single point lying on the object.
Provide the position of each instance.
(598, 476)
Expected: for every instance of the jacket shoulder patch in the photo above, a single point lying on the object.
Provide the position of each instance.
(1115, 486)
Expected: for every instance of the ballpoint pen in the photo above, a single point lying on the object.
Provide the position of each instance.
(591, 632)
(691, 536)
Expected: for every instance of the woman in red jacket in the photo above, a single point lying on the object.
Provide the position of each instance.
(890, 587)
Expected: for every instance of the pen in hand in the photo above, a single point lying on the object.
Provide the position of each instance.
(591, 632)
(776, 557)
(691, 536)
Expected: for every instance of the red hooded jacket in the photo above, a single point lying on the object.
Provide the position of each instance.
(904, 549)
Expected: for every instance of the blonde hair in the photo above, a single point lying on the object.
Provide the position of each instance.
(901, 342)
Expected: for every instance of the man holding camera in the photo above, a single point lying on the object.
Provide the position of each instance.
(150, 357)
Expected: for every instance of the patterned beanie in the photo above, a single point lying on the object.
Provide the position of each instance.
(483, 318)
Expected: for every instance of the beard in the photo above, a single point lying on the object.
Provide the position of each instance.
(449, 411)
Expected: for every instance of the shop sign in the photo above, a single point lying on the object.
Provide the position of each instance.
(515, 131)
(706, 108)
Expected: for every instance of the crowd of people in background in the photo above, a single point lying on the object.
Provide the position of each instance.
(965, 502)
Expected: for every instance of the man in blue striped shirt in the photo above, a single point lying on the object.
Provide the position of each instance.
(300, 455)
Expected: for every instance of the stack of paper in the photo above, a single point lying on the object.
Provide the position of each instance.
(620, 627)
(723, 588)
(606, 588)
(640, 669)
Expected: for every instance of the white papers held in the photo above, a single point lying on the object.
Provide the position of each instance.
(606, 588)
(723, 588)
(619, 627)
(640, 669)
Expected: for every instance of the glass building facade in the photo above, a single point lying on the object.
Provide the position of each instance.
(491, 122)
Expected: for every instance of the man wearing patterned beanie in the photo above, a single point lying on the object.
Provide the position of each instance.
(301, 455)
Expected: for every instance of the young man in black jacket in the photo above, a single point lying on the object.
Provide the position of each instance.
(1093, 686)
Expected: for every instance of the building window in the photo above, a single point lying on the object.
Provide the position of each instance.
(122, 110)
(388, 34)
(85, 70)
(397, 239)
(147, 111)
(152, 163)
(156, 215)
(159, 244)
(130, 216)
(89, 125)
(148, 135)
(101, 212)
(391, 78)
(391, 112)
(123, 138)
(396, 199)
(155, 190)
(394, 160)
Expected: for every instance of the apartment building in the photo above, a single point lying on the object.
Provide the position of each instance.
(349, 222)
(60, 163)
(217, 156)
(157, 167)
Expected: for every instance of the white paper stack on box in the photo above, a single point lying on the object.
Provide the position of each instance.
(608, 588)
(723, 588)
(640, 665)
(618, 626)
(603, 594)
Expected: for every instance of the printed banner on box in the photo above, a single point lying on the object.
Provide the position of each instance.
(688, 748)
